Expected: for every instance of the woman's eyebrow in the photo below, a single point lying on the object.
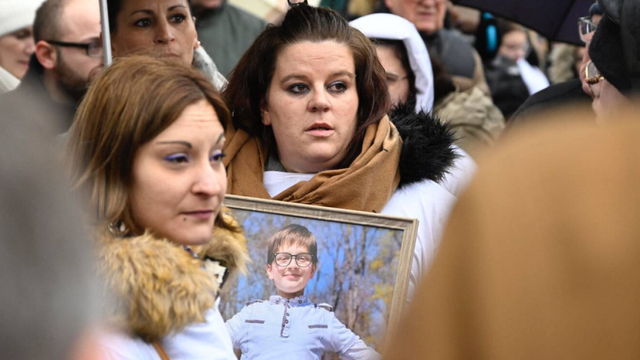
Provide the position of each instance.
(220, 138)
(146, 11)
(176, 6)
(183, 143)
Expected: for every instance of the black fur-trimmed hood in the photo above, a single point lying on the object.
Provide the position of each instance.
(427, 150)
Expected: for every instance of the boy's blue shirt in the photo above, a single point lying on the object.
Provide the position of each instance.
(293, 329)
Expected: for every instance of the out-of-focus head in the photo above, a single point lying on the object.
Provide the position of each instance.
(614, 53)
(146, 149)
(587, 27)
(404, 57)
(162, 28)
(16, 35)
(45, 248)
(67, 35)
(514, 44)
(310, 87)
(426, 15)
(292, 259)
(615, 45)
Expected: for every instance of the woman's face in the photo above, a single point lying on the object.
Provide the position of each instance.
(312, 105)
(291, 280)
(397, 78)
(15, 50)
(514, 45)
(179, 181)
(165, 27)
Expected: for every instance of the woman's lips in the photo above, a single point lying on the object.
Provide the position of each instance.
(200, 215)
(320, 130)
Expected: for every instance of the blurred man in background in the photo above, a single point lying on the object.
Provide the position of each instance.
(225, 31)
(67, 50)
(461, 60)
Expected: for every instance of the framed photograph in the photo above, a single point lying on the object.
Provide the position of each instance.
(363, 269)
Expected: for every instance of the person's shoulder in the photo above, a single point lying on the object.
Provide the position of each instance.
(119, 346)
(454, 38)
(324, 306)
(419, 199)
(560, 94)
(254, 303)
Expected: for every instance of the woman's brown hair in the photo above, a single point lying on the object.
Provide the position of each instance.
(128, 105)
(250, 80)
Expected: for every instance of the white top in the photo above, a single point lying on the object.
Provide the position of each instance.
(294, 329)
(426, 201)
(7, 81)
(460, 173)
(533, 77)
(201, 341)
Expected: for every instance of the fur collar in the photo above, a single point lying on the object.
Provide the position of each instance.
(427, 150)
(157, 287)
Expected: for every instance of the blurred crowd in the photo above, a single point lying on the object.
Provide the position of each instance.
(515, 152)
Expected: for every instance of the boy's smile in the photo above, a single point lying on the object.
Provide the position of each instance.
(291, 280)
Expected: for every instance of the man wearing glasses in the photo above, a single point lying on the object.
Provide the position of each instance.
(613, 72)
(68, 49)
(572, 92)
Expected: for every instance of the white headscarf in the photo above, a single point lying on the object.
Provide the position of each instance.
(393, 27)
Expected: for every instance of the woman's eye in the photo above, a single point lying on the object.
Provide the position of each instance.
(23, 34)
(142, 23)
(178, 18)
(217, 157)
(298, 88)
(177, 159)
(338, 87)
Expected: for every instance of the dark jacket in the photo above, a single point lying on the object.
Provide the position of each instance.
(508, 90)
(31, 97)
(555, 96)
(226, 33)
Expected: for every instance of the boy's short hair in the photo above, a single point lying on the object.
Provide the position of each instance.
(293, 234)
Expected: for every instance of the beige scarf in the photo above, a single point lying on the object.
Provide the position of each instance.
(366, 185)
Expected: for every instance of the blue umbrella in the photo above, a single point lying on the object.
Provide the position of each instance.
(557, 20)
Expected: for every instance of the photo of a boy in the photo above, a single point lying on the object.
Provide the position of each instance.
(289, 325)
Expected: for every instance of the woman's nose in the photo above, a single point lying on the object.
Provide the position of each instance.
(29, 47)
(209, 181)
(319, 101)
(164, 33)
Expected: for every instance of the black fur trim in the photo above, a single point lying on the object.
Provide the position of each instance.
(427, 151)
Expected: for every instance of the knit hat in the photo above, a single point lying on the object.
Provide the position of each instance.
(17, 14)
(615, 45)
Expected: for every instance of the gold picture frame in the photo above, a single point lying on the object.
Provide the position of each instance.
(383, 244)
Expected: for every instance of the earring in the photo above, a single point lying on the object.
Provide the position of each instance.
(118, 228)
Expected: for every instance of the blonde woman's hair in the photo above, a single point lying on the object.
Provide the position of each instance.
(128, 105)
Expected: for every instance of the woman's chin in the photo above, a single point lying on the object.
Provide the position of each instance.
(193, 238)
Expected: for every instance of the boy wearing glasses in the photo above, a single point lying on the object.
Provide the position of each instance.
(288, 325)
